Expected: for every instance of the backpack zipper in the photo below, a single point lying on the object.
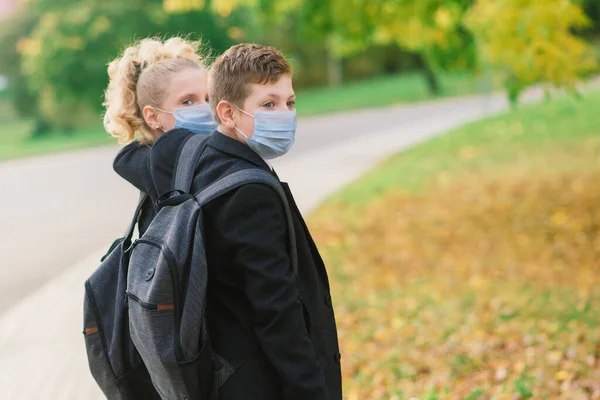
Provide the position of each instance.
(148, 306)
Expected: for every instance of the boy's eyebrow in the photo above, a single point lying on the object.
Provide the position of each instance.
(276, 96)
(272, 95)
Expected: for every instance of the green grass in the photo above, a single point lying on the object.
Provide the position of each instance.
(15, 138)
(482, 146)
(382, 91)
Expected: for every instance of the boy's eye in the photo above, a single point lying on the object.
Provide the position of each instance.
(269, 104)
(187, 102)
(291, 104)
(206, 99)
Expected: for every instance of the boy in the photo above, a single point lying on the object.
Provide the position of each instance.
(277, 331)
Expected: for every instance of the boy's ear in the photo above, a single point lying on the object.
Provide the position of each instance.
(225, 113)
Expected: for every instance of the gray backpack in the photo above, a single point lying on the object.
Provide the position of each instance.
(113, 359)
(167, 280)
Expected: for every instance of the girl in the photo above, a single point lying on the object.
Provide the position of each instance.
(154, 86)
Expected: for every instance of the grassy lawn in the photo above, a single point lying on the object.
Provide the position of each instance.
(469, 267)
(15, 141)
(520, 138)
(383, 91)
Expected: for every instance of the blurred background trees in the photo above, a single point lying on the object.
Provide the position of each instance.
(54, 52)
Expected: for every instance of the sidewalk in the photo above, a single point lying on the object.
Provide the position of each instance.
(42, 353)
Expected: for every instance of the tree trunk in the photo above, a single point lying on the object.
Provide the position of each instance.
(335, 67)
(41, 128)
(432, 81)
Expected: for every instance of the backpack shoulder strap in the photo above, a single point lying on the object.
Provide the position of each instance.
(185, 170)
(126, 239)
(253, 175)
(187, 162)
(136, 216)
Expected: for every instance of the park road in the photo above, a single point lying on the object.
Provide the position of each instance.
(59, 213)
(57, 209)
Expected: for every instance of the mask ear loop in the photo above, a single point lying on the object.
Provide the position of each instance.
(236, 128)
(165, 111)
(245, 112)
(243, 134)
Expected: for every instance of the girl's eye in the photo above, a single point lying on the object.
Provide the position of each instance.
(291, 104)
(270, 104)
(187, 102)
(206, 99)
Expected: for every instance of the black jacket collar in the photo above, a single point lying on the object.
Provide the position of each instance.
(235, 148)
(151, 169)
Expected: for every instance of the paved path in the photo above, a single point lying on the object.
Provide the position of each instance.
(59, 208)
(66, 205)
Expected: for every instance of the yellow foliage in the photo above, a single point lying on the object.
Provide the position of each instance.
(236, 33)
(29, 47)
(49, 20)
(225, 7)
(443, 18)
(412, 25)
(99, 26)
(183, 5)
(532, 41)
(485, 284)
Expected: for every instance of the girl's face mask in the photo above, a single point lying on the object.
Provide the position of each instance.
(197, 119)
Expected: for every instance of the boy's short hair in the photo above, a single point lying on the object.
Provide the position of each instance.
(241, 65)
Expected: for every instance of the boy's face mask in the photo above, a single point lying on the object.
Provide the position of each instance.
(197, 119)
(274, 132)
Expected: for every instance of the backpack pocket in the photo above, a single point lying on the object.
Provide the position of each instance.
(113, 361)
(155, 304)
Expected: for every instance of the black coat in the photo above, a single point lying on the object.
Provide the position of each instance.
(133, 164)
(278, 332)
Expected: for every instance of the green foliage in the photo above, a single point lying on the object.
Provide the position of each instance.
(11, 31)
(475, 394)
(58, 59)
(15, 140)
(55, 51)
(523, 385)
(525, 41)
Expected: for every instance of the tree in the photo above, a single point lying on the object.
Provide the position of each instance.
(530, 42)
(429, 28)
(61, 59)
(527, 41)
(24, 101)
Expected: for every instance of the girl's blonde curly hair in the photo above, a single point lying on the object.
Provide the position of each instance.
(140, 77)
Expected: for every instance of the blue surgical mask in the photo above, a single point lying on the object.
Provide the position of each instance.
(274, 133)
(197, 119)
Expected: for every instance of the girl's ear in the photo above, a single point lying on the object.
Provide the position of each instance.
(225, 113)
(151, 117)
